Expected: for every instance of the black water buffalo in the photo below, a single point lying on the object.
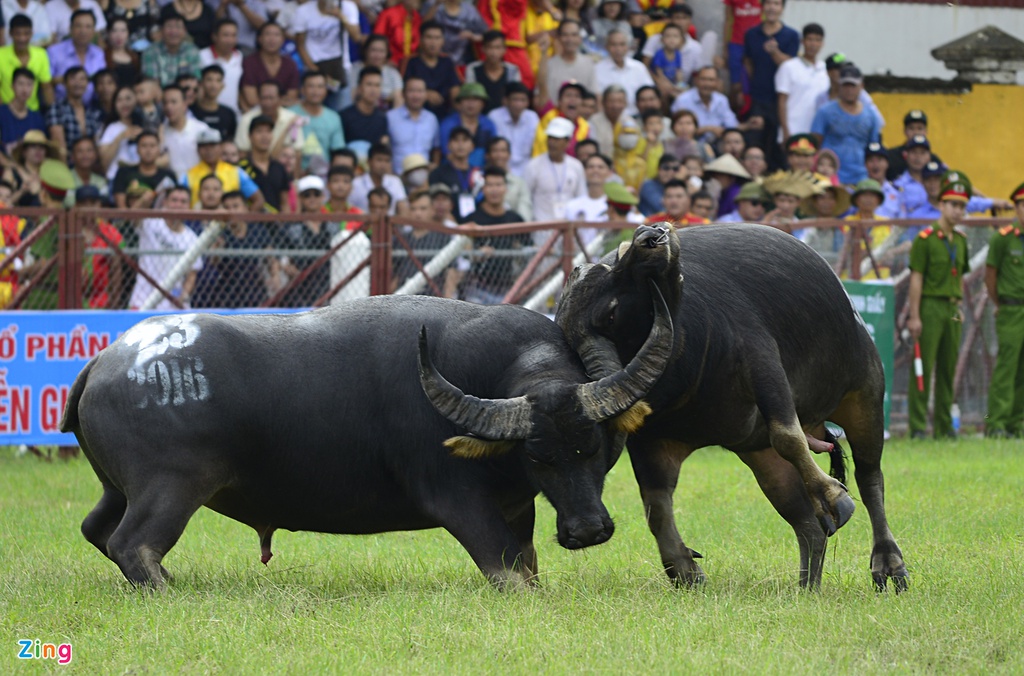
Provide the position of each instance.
(333, 421)
(767, 347)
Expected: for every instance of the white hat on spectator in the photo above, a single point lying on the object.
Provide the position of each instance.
(208, 137)
(560, 127)
(728, 165)
(310, 183)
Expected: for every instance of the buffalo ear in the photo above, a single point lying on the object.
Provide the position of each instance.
(474, 448)
(632, 419)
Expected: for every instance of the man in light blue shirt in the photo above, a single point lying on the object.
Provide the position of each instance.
(846, 126)
(77, 50)
(518, 124)
(714, 114)
(413, 129)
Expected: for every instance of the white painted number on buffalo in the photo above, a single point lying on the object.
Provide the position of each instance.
(162, 368)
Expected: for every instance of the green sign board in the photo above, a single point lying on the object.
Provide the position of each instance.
(876, 304)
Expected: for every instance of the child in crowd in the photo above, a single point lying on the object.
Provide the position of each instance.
(667, 64)
(653, 126)
(827, 164)
(148, 94)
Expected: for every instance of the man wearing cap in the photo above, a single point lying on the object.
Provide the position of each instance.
(619, 69)
(910, 183)
(1004, 281)
(800, 151)
(308, 235)
(232, 178)
(751, 205)
(938, 262)
(172, 55)
(555, 177)
(915, 124)
(569, 66)
(932, 176)
(845, 126)
(570, 96)
(622, 204)
(469, 104)
(103, 288)
(876, 162)
(378, 175)
(867, 197)
(677, 207)
(456, 172)
(833, 65)
(517, 123)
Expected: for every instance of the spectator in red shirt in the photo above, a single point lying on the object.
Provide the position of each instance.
(401, 26)
(677, 207)
(103, 291)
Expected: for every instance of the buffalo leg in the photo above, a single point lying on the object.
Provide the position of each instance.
(784, 488)
(861, 416)
(151, 526)
(832, 504)
(482, 531)
(656, 466)
(101, 522)
(522, 525)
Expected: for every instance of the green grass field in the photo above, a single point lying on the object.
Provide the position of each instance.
(414, 602)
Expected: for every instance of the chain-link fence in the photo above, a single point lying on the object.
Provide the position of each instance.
(109, 259)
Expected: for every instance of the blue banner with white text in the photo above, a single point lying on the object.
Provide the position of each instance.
(41, 353)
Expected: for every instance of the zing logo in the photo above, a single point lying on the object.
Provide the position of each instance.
(36, 650)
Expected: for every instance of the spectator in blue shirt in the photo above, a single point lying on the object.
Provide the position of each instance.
(15, 117)
(846, 126)
(765, 47)
(469, 105)
(413, 128)
(652, 192)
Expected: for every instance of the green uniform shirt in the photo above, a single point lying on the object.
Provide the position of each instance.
(1006, 254)
(936, 258)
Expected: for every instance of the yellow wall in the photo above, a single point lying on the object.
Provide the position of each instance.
(978, 133)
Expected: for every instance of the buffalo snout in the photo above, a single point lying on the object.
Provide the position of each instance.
(581, 533)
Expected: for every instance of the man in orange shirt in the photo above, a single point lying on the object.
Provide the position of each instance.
(677, 207)
(401, 26)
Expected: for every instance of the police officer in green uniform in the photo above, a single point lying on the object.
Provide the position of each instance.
(1004, 280)
(938, 262)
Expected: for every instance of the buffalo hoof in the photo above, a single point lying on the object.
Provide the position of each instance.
(688, 575)
(887, 563)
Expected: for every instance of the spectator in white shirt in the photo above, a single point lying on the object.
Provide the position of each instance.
(181, 132)
(378, 175)
(554, 178)
(516, 123)
(619, 69)
(798, 82)
(222, 52)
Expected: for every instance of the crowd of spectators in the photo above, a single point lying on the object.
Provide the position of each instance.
(488, 112)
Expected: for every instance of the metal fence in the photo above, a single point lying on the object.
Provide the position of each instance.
(119, 259)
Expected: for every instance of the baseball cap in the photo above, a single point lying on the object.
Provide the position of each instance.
(1017, 194)
(560, 127)
(933, 169)
(958, 189)
(875, 150)
(850, 74)
(472, 90)
(208, 137)
(310, 183)
(440, 189)
(915, 115)
(835, 61)
(88, 192)
(918, 141)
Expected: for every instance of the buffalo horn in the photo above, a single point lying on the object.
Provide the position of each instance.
(613, 394)
(488, 418)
